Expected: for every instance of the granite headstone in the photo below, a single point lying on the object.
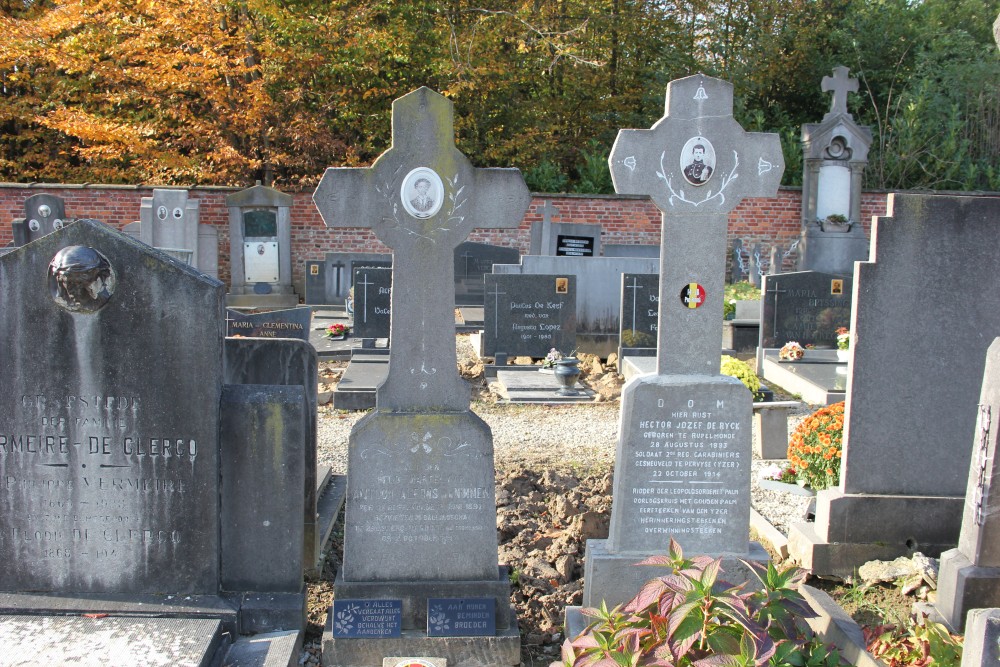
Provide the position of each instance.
(372, 303)
(640, 312)
(913, 384)
(529, 315)
(805, 306)
(290, 323)
(43, 214)
(473, 261)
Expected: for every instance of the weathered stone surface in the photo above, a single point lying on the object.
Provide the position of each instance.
(290, 323)
(109, 446)
(43, 214)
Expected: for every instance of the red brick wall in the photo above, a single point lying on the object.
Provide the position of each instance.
(624, 220)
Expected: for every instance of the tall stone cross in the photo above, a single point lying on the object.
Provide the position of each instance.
(422, 197)
(547, 211)
(697, 164)
(839, 84)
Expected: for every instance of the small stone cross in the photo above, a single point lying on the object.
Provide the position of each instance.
(422, 197)
(839, 84)
(697, 164)
(547, 211)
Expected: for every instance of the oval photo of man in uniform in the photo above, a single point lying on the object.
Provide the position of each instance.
(698, 160)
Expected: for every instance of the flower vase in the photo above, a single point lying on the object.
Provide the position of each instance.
(340, 337)
(843, 356)
(567, 372)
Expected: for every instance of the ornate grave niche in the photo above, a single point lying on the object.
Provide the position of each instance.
(260, 242)
(835, 153)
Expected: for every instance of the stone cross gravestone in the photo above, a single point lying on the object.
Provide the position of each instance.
(639, 314)
(421, 513)
(683, 454)
(969, 577)
(913, 384)
(43, 214)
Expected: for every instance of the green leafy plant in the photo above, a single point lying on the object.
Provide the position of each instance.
(816, 447)
(921, 642)
(741, 371)
(546, 177)
(843, 338)
(691, 618)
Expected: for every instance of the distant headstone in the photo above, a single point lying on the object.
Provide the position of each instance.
(598, 292)
(565, 239)
(473, 261)
(43, 214)
(260, 247)
(420, 470)
(805, 306)
(372, 303)
(755, 270)
(738, 268)
(118, 468)
(833, 165)
(574, 246)
(529, 315)
(640, 314)
(169, 221)
(684, 448)
(331, 280)
(541, 232)
(290, 323)
(969, 577)
(774, 260)
(917, 417)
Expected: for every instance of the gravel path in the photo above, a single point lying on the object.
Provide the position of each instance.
(583, 437)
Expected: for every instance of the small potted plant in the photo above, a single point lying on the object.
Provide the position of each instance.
(791, 351)
(835, 222)
(843, 344)
(816, 447)
(337, 331)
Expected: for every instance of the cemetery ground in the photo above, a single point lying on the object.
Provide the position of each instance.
(554, 478)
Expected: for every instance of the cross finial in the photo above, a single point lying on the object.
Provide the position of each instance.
(839, 84)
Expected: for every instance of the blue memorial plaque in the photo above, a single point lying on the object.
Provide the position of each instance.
(356, 619)
(461, 617)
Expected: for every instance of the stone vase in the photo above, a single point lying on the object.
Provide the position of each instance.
(843, 355)
(567, 372)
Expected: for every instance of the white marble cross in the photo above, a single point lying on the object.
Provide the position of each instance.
(697, 164)
(422, 197)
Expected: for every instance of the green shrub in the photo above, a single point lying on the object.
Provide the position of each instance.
(741, 370)
(690, 617)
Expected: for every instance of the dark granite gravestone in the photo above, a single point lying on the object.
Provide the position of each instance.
(372, 303)
(43, 214)
(684, 448)
(421, 512)
(472, 262)
(914, 381)
(529, 315)
(805, 306)
(598, 292)
(640, 312)
(110, 443)
(290, 323)
(574, 246)
(331, 281)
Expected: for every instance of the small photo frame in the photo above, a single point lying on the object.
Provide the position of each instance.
(698, 160)
(422, 193)
(562, 285)
(837, 287)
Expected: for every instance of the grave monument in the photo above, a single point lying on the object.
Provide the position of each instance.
(43, 214)
(137, 481)
(913, 384)
(260, 249)
(420, 510)
(683, 456)
(168, 221)
(835, 155)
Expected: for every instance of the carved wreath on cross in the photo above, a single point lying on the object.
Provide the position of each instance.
(405, 212)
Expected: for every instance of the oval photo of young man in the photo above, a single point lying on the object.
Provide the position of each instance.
(422, 192)
(698, 160)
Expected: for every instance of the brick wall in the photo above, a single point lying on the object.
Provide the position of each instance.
(625, 220)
